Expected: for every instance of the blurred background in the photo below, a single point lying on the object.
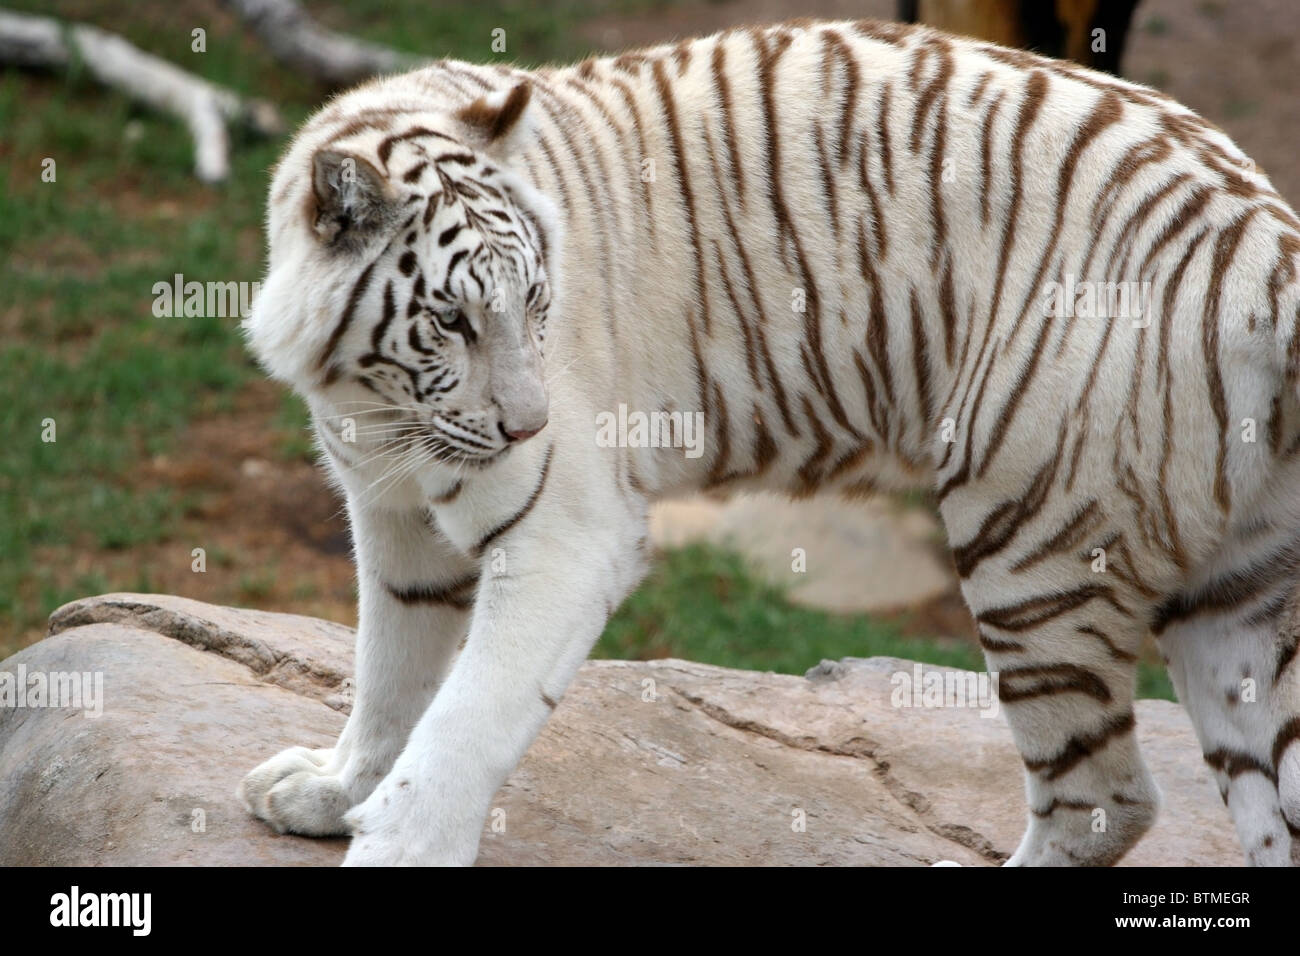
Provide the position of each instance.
(167, 437)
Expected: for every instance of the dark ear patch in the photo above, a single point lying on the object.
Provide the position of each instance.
(353, 199)
(495, 116)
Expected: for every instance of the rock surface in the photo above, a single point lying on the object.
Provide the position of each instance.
(864, 556)
(661, 762)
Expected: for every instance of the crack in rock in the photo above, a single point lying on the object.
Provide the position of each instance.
(860, 748)
(308, 678)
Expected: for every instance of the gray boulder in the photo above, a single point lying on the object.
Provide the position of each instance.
(659, 762)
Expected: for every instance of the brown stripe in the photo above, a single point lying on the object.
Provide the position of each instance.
(519, 515)
(1008, 412)
(1107, 112)
(998, 645)
(1035, 92)
(828, 182)
(1017, 684)
(1233, 763)
(882, 135)
(1115, 651)
(682, 56)
(834, 45)
(765, 450)
(785, 223)
(895, 34)
(638, 128)
(1224, 252)
(1080, 748)
(1189, 212)
(1039, 610)
(878, 232)
(1065, 538)
(939, 232)
(986, 154)
(726, 118)
(566, 118)
(1005, 521)
(1129, 164)
(751, 356)
(1175, 544)
(1059, 804)
(809, 472)
(719, 473)
(962, 474)
(752, 286)
(948, 310)
(1286, 736)
(452, 594)
(878, 418)
(1288, 647)
(877, 321)
(354, 297)
(684, 184)
(933, 89)
(921, 363)
(1230, 590)
(448, 496)
(1140, 216)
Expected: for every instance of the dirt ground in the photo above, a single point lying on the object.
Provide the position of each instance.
(1236, 63)
(273, 533)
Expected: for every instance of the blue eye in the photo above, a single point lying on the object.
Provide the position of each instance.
(457, 323)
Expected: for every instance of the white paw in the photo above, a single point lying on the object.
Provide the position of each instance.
(396, 827)
(298, 791)
(945, 863)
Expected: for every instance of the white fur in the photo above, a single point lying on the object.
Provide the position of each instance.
(435, 730)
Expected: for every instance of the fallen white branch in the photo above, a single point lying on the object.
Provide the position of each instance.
(207, 109)
(298, 41)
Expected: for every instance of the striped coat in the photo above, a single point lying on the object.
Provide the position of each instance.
(863, 257)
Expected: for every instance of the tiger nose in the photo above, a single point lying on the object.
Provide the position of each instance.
(519, 434)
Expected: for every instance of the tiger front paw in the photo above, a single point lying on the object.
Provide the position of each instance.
(298, 791)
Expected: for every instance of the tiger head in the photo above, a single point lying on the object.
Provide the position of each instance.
(411, 272)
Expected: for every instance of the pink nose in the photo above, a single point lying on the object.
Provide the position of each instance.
(519, 434)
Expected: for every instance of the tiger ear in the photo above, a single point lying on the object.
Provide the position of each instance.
(496, 121)
(353, 199)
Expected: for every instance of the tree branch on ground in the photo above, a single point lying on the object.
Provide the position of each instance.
(299, 42)
(205, 108)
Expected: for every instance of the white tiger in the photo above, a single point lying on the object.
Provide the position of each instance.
(844, 245)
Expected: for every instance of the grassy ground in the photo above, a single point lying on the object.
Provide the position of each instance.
(704, 604)
(145, 408)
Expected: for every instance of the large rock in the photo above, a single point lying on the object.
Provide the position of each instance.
(643, 763)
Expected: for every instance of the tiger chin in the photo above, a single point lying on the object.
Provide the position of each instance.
(842, 245)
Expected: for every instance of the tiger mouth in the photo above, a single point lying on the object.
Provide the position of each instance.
(446, 447)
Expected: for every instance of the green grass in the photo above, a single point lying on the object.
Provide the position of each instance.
(705, 604)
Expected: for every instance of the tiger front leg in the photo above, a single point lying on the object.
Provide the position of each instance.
(415, 591)
(548, 589)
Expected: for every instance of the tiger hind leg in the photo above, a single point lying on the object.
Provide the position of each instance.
(1234, 664)
(1064, 652)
